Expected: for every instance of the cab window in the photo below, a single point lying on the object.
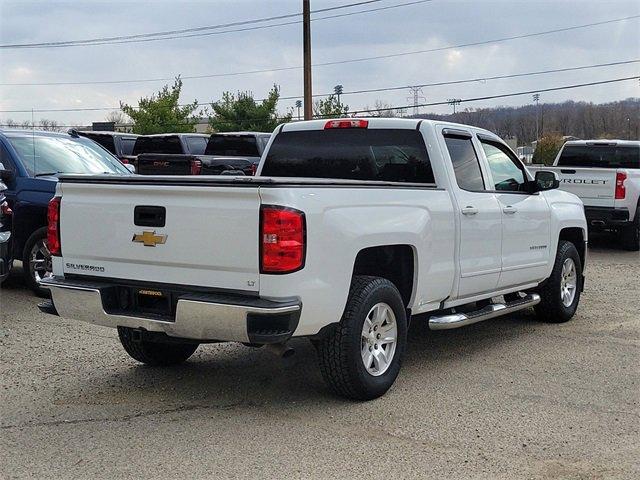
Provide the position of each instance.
(465, 162)
(507, 174)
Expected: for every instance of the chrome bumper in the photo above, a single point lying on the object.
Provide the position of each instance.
(206, 317)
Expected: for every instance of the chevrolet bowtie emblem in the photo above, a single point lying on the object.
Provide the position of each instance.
(149, 239)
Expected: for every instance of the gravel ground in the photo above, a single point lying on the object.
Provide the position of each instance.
(508, 398)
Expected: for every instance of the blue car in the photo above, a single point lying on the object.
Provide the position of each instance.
(31, 162)
(5, 232)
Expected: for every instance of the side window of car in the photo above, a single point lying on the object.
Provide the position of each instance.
(465, 162)
(196, 145)
(507, 174)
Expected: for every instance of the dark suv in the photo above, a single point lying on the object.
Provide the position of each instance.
(32, 162)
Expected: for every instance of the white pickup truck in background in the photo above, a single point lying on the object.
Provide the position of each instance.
(605, 174)
(351, 228)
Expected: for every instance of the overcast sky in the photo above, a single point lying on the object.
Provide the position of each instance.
(427, 25)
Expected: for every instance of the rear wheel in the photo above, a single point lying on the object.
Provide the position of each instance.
(360, 357)
(630, 235)
(560, 293)
(36, 262)
(157, 354)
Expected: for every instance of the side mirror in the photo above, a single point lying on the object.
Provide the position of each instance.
(546, 180)
(130, 167)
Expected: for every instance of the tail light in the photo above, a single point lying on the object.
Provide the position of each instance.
(254, 169)
(282, 239)
(346, 124)
(196, 167)
(5, 209)
(124, 160)
(53, 227)
(621, 190)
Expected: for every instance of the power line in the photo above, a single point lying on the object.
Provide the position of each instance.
(373, 90)
(102, 40)
(338, 62)
(431, 104)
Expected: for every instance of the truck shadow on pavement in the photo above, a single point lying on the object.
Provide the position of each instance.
(230, 375)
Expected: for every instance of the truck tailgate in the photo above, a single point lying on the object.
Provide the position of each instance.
(209, 237)
(595, 186)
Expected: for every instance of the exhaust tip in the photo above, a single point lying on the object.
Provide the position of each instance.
(281, 350)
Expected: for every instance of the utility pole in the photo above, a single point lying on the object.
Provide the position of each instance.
(416, 96)
(298, 106)
(337, 90)
(306, 47)
(536, 98)
(454, 102)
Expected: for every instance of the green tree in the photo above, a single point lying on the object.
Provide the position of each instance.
(330, 107)
(547, 148)
(162, 113)
(243, 112)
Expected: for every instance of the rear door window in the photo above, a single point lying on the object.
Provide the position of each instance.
(392, 155)
(233, 146)
(465, 163)
(197, 145)
(600, 156)
(127, 144)
(169, 144)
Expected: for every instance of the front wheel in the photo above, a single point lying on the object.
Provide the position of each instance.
(360, 357)
(560, 293)
(36, 262)
(156, 354)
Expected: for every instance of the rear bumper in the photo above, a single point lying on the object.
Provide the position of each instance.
(198, 316)
(606, 217)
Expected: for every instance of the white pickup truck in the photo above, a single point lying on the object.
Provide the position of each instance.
(351, 228)
(605, 174)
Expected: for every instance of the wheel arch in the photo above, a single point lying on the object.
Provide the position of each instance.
(577, 236)
(396, 263)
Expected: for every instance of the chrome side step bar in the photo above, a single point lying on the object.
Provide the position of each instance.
(456, 320)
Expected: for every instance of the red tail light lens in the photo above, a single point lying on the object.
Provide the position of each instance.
(5, 209)
(346, 124)
(621, 190)
(53, 227)
(196, 167)
(282, 239)
(124, 160)
(254, 169)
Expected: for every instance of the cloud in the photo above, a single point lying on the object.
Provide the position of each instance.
(423, 26)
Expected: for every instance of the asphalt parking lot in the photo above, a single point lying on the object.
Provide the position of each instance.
(508, 398)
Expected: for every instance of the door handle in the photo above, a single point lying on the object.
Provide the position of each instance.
(509, 210)
(469, 210)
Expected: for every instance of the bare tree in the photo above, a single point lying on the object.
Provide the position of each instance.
(116, 117)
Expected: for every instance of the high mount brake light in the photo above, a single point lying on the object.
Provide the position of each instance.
(282, 239)
(621, 190)
(196, 167)
(53, 227)
(331, 124)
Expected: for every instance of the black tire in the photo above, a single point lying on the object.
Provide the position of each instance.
(156, 354)
(29, 274)
(551, 309)
(339, 345)
(630, 235)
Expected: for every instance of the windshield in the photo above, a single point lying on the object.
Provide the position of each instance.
(232, 146)
(51, 155)
(603, 156)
